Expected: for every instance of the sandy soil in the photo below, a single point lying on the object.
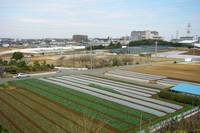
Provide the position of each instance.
(186, 72)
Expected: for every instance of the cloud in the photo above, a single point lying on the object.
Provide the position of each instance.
(34, 20)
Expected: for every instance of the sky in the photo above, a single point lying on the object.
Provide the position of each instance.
(96, 18)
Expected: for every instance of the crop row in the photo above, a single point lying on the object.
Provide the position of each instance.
(121, 99)
(102, 109)
(86, 124)
(19, 114)
(119, 83)
(111, 105)
(108, 82)
(64, 101)
(8, 123)
(59, 121)
(87, 80)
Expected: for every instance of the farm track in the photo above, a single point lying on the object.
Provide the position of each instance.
(22, 114)
(98, 122)
(107, 116)
(96, 100)
(38, 112)
(13, 126)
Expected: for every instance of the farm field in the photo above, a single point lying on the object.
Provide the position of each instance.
(185, 72)
(80, 103)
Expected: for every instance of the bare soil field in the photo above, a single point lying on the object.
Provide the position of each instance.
(186, 72)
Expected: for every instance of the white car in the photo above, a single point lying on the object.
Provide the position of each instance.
(22, 75)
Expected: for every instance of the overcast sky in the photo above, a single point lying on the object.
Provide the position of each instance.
(96, 18)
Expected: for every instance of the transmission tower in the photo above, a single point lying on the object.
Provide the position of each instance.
(177, 34)
(189, 29)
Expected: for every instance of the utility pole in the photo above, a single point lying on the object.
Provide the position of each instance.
(91, 61)
(128, 49)
(156, 48)
(140, 121)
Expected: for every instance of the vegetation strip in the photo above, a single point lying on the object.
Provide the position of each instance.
(110, 82)
(99, 95)
(11, 121)
(53, 122)
(88, 107)
(76, 119)
(25, 125)
(163, 103)
(122, 83)
(135, 104)
(103, 102)
(115, 87)
(146, 99)
(68, 109)
(43, 105)
(27, 118)
(97, 106)
(72, 105)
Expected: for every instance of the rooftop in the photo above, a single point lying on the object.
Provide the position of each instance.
(187, 88)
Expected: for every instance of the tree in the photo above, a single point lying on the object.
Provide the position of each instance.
(22, 65)
(44, 65)
(116, 61)
(36, 65)
(17, 56)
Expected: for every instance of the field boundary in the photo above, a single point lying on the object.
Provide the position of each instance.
(178, 117)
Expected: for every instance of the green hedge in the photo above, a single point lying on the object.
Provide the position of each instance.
(3, 130)
(180, 97)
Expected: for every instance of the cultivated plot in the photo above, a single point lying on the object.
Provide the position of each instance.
(79, 103)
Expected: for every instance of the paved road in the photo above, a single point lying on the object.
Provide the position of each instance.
(98, 72)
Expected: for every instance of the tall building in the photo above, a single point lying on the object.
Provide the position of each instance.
(80, 38)
(143, 35)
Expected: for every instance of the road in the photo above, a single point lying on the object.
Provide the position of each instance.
(99, 72)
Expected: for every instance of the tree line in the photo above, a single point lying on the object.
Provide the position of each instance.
(180, 97)
(17, 64)
(149, 42)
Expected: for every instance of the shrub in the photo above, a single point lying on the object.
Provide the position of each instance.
(180, 97)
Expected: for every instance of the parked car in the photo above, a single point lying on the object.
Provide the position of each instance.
(22, 75)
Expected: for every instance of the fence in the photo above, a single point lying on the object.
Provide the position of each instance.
(175, 118)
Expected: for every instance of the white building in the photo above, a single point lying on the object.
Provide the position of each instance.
(144, 35)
